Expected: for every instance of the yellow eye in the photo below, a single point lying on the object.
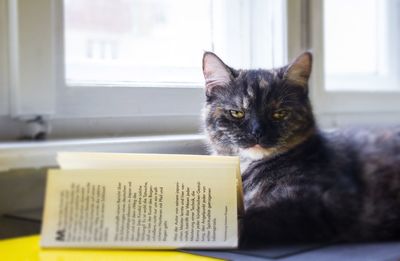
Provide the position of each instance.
(280, 115)
(237, 114)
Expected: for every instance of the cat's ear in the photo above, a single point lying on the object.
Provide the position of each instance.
(298, 72)
(216, 72)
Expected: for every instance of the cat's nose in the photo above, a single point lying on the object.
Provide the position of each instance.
(256, 130)
(257, 133)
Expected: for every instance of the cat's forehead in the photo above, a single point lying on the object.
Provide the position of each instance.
(254, 84)
(260, 78)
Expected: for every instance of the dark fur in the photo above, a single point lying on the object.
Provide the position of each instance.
(314, 185)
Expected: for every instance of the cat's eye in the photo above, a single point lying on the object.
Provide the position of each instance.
(280, 115)
(237, 114)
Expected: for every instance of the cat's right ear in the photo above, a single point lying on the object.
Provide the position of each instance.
(299, 70)
(216, 72)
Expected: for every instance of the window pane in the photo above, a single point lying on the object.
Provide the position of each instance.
(358, 40)
(125, 41)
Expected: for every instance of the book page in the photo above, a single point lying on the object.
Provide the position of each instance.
(141, 208)
(99, 160)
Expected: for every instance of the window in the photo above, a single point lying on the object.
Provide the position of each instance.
(355, 69)
(94, 73)
(147, 43)
(160, 43)
(361, 47)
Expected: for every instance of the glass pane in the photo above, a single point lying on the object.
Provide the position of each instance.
(357, 44)
(125, 41)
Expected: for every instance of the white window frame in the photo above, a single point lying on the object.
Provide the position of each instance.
(168, 101)
(4, 94)
(385, 75)
(76, 112)
(31, 58)
(124, 101)
(334, 108)
(37, 85)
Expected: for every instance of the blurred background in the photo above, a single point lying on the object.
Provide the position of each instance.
(84, 68)
(125, 75)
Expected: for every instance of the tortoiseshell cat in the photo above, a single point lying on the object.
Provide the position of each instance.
(300, 183)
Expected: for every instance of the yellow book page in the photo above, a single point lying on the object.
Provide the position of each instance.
(141, 208)
(96, 160)
(27, 248)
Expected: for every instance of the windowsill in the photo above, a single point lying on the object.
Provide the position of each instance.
(17, 155)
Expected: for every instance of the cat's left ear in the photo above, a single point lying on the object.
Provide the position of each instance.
(298, 72)
(216, 72)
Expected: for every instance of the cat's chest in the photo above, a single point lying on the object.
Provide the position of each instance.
(266, 184)
(244, 164)
(261, 194)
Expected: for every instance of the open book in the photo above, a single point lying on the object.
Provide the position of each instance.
(108, 200)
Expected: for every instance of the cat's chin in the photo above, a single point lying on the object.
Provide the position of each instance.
(257, 152)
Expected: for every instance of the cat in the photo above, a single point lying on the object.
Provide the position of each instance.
(300, 183)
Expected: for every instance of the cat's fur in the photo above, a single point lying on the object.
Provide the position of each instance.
(300, 183)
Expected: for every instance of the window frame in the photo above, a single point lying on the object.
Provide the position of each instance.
(77, 108)
(31, 58)
(4, 90)
(185, 99)
(334, 108)
(125, 101)
(385, 76)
